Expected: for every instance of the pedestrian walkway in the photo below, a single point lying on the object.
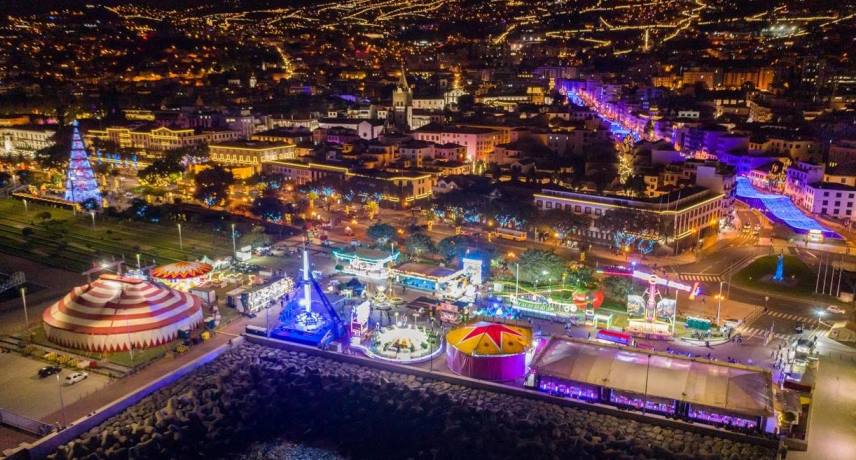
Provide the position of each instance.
(700, 277)
(750, 332)
(791, 317)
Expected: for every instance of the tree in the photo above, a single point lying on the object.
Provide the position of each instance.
(268, 207)
(618, 287)
(212, 185)
(372, 208)
(418, 244)
(540, 266)
(561, 222)
(164, 169)
(90, 204)
(454, 246)
(256, 237)
(381, 233)
(629, 221)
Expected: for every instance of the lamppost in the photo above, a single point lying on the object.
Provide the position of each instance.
(234, 246)
(61, 403)
(24, 301)
(719, 303)
(766, 299)
(92, 215)
(517, 281)
(26, 208)
(180, 240)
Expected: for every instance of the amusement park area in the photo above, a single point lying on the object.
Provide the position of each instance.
(627, 337)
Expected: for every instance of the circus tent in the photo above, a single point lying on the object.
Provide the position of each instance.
(182, 275)
(489, 351)
(114, 313)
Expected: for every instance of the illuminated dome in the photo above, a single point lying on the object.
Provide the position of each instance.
(114, 313)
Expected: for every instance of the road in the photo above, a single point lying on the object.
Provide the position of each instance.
(832, 426)
(24, 393)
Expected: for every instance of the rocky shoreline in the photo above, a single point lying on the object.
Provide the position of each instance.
(234, 406)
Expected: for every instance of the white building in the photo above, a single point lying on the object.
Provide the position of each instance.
(366, 129)
(24, 141)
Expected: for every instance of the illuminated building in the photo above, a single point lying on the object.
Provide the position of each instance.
(401, 187)
(687, 213)
(479, 142)
(159, 139)
(24, 141)
(250, 153)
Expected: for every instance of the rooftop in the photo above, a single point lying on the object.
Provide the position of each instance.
(733, 387)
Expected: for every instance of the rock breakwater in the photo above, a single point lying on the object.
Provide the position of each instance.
(254, 393)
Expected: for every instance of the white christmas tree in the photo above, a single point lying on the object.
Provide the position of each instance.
(80, 182)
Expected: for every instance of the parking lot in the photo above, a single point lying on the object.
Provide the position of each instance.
(24, 393)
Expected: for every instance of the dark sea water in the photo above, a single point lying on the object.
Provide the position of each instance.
(287, 450)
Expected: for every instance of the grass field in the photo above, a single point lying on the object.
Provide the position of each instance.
(799, 278)
(69, 241)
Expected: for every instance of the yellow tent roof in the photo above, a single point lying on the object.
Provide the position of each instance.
(484, 338)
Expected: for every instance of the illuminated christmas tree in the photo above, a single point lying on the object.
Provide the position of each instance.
(80, 184)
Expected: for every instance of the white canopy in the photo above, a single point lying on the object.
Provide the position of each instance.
(735, 388)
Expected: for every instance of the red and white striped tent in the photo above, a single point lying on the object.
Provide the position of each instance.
(113, 313)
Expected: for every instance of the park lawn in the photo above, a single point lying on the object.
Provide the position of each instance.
(69, 241)
(799, 278)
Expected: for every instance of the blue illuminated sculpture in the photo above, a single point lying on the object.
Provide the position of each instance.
(780, 269)
(80, 183)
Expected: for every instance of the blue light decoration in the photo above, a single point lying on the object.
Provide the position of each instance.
(780, 269)
(781, 207)
(646, 246)
(80, 183)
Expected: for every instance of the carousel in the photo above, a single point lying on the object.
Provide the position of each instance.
(488, 351)
(115, 313)
(182, 275)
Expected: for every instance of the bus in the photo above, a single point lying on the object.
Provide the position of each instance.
(511, 234)
(614, 337)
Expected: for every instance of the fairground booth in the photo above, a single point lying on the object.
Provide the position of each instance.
(703, 391)
(182, 275)
(443, 282)
(369, 263)
(115, 313)
(488, 351)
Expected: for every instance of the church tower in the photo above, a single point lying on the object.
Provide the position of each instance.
(402, 103)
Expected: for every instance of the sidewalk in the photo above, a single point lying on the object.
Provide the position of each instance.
(119, 388)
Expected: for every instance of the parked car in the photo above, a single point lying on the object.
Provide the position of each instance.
(48, 371)
(799, 328)
(835, 309)
(76, 377)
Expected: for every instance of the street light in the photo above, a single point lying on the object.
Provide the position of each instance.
(234, 246)
(180, 240)
(61, 403)
(718, 303)
(92, 215)
(24, 301)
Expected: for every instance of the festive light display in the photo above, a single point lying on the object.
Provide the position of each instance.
(80, 183)
(781, 207)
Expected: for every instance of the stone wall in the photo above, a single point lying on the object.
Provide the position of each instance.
(255, 393)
